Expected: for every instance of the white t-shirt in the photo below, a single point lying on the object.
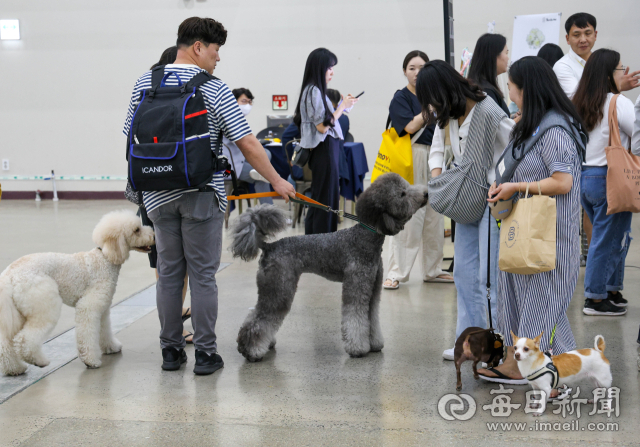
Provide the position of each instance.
(599, 136)
(569, 70)
(459, 136)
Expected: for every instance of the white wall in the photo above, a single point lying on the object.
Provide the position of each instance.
(65, 86)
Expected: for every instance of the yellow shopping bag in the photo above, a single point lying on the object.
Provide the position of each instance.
(395, 155)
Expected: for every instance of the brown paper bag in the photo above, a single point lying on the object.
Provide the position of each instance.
(623, 173)
(528, 236)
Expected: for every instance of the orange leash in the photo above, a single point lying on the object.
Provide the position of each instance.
(259, 195)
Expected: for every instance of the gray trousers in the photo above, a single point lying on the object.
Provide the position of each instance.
(189, 239)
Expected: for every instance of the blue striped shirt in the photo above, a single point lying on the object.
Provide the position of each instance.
(224, 114)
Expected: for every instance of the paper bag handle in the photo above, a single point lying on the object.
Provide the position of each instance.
(526, 193)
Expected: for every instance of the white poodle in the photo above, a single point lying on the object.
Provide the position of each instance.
(33, 288)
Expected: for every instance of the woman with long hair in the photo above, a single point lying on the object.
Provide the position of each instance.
(481, 127)
(604, 275)
(424, 233)
(532, 304)
(320, 131)
(490, 60)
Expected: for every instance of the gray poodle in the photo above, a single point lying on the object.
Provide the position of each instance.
(351, 256)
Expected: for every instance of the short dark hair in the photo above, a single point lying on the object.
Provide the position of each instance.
(541, 92)
(440, 86)
(411, 55)
(596, 83)
(201, 29)
(551, 53)
(168, 57)
(580, 20)
(484, 64)
(238, 92)
(334, 96)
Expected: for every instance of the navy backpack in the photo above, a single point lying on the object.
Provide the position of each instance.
(169, 141)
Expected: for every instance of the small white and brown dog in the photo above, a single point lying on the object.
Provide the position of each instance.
(33, 289)
(570, 368)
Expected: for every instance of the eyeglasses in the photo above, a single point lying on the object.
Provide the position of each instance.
(623, 68)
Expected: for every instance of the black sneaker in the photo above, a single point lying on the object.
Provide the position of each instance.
(617, 299)
(207, 364)
(172, 358)
(604, 307)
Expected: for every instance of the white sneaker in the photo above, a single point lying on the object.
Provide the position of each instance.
(448, 354)
(257, 177)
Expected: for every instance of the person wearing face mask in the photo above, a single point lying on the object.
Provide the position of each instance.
(244, 171)
(424, 233)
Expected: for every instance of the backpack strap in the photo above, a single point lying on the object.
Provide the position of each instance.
(156, 79)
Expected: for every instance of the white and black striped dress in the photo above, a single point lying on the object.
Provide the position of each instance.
(531, 304)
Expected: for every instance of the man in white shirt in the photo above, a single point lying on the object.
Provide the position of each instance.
(581, 37)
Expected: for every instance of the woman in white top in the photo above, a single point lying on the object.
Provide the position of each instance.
(455, 102)
(604, 275)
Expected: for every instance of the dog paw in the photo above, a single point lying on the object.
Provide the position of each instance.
(272, 344)
(254, 359)
(91, 362)
(459, 388)
(16, 370)
(376, 347)
(42, 362)
(113, 347)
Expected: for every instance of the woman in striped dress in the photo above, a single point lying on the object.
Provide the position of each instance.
(531, 304)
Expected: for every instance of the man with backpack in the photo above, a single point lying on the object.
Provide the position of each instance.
(176, 118)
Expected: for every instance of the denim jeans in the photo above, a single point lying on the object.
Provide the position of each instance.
(610, 238)
(470, 272)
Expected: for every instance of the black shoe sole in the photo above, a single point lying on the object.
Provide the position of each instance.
(173, 366)
(205, 370)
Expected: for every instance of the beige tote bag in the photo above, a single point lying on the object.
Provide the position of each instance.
(528, 236)
(623, 173)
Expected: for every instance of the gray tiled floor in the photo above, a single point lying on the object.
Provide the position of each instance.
(307, 392)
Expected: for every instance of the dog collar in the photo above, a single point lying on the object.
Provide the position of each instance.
(499, 348)
(549, 368)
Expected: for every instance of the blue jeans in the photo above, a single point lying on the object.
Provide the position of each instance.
(470, 272)
(610, 238)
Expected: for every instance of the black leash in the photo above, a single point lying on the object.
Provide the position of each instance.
(338, 212)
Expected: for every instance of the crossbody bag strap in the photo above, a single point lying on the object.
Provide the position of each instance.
(614, 129)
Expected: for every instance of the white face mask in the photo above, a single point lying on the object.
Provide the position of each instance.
(245, 108)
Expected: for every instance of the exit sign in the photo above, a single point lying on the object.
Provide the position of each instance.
(280, 102)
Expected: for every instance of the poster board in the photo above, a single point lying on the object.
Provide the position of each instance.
(531, 32)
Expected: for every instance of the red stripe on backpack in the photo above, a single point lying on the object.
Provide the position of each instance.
(191, 115)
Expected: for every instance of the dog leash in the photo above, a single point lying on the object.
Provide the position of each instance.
(304, 200)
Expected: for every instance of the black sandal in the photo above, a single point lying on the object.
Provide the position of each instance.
(501, 378)
(186, 315)
(189, 342)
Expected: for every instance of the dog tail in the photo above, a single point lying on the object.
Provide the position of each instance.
(599, 344)
(253, 227)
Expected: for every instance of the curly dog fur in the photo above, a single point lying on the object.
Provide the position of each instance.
(33, 288)
(351, 256)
